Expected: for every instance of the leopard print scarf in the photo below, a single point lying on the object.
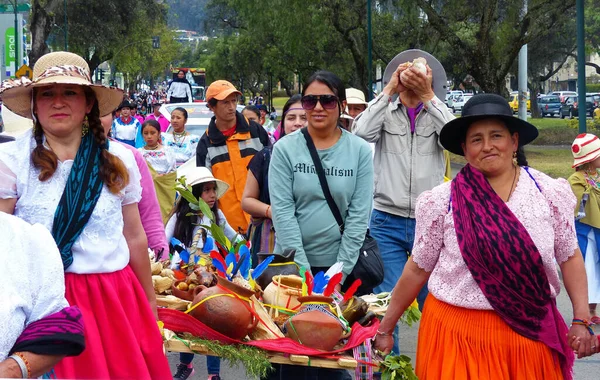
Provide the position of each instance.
(506, 264)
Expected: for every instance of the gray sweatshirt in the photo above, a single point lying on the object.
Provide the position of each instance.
(406, 164)
(301, 216)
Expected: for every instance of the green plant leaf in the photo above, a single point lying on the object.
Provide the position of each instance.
(205, 209)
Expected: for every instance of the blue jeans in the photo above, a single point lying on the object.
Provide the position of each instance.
(395, 236)
(213, 363)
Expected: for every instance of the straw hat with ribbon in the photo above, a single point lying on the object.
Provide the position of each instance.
(195, 175)
(57, 68)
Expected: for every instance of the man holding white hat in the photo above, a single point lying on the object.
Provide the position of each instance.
(404, 122)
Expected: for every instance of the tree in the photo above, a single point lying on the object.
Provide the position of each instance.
(486, 35)
(97, 30)
(42, 13)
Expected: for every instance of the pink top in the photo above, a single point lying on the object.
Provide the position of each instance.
(148, 206)
(164, 123)
(546, 215)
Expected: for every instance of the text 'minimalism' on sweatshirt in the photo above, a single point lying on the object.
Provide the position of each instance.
(333, 171)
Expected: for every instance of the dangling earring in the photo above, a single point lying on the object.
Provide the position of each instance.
(85, 128)
(515, 163)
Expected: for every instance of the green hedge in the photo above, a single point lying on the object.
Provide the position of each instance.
(592, 87)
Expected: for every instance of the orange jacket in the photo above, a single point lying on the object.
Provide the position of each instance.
(228, 160)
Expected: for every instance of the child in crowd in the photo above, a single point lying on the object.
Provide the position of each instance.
(585, 183)
(155, 154)
(187, 229)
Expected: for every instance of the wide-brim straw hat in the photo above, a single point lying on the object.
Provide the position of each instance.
(195, 175)
(57, 68)
(585, 148)
(480, 107)
(440, 81)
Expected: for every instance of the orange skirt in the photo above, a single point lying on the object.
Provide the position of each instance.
(459, 343)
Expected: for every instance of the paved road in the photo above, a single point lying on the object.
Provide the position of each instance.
(585, 369)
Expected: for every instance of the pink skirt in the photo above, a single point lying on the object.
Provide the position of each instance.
(121, 335)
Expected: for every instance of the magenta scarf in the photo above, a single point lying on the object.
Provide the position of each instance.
(506, 264)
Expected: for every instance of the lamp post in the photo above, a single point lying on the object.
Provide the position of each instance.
(369, 53)
(581, 64)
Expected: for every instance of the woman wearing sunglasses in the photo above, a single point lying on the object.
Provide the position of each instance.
(301, 215)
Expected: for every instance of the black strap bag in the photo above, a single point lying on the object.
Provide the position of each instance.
(369, 266)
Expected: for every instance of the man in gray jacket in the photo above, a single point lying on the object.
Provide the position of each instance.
(408, 157)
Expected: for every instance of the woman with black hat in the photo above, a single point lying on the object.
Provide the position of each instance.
(487, 242)
(180, 90)
(126, 128)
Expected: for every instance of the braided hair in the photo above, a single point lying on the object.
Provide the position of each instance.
(113, 172)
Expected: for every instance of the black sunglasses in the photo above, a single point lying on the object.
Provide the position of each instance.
(328, 102)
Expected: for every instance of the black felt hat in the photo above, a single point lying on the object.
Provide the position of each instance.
(479, 107)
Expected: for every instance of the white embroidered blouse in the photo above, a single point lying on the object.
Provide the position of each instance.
(32, 280)
(101, 247)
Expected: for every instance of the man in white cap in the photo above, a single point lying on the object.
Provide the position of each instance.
(408, 157)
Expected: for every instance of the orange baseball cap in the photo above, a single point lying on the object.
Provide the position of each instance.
(220, 89)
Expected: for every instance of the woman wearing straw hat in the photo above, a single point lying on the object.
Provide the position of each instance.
(487, 242)
(66, 176)
(585, 183)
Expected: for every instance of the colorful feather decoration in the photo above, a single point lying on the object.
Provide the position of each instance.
(319, 283)
(260, 268)
(335, 280)
(246, 264)
(185, 256)
(230, 259)
(216, 256)
(209, 244)
(237, 267)
(304, 287)
(309, 282)
(220, 268)
(334, 269)
(352, 289)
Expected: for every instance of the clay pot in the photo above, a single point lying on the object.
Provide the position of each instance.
(288, 268)
(284, 291)
(314, 325)
(187, 295)
(228, 315)
(354, 309)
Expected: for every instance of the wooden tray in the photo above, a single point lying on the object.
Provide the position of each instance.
(344, 362)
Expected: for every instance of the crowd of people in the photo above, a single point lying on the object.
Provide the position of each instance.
(90, 188)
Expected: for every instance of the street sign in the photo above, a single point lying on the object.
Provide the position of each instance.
(24, 71)
(8, 8)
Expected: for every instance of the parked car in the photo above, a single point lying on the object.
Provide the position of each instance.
(596, 97)
(570, 107)
(458, 101)
(198, 94)
(563, 94)
(450, 96)
(199, 116)
(549, 105)
(514, 103)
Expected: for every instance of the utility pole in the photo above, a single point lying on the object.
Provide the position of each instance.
(17, 60)
(66, 29)
(581, 66)
(523, 76)
(370, 52)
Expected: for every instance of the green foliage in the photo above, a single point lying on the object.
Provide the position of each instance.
(397, 367)
(592, 125)
(592, 87)
(411, 315)
(255, 361)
